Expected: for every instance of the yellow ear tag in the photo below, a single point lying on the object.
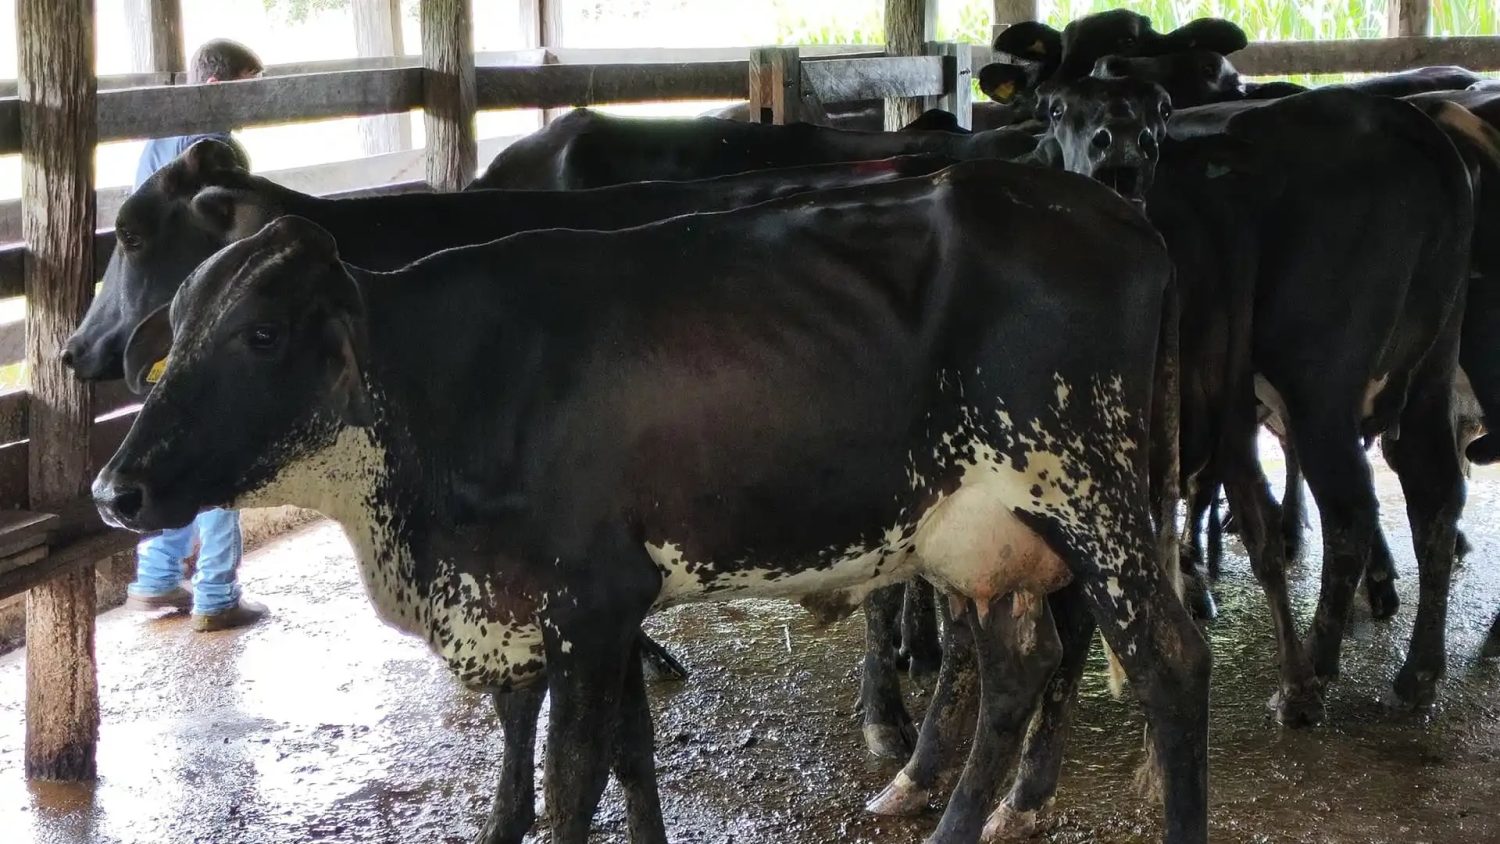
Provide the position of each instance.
(1038, 48)
(156, 370)
(1003, 92)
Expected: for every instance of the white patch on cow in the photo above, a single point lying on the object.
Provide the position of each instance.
(969, 540)
(1268, 396)
(343, 481)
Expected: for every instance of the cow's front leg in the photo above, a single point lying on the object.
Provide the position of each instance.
(514, 811)
(635, 760)
(588, 649)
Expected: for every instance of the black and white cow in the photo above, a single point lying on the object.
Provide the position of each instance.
(205, 200)
(533, 442)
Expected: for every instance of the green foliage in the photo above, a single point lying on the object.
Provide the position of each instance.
(298, 11)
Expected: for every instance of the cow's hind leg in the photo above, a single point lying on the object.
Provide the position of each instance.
(1293, 505)
(635, 761)
(1167, 662)
(919, 630)
(1432, 479)
(888, 730)
(1018, 649)
(514, 812)
(1042, 756)
(946, 726)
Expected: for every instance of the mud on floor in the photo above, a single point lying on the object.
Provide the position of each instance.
(323, 725)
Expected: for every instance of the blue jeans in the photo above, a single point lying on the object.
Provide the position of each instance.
(158, 564)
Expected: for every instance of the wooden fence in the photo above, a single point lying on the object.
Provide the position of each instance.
(55, 435)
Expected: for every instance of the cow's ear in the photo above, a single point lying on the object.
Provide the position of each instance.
(350, 399)
(146, 351)
(1031, 41)
(232, 214)
(209, 157)
(936, 120)
(1213, 34)
(1003, 82)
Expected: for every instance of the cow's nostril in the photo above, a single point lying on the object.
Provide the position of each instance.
(68, 356)
(127, 499)
(1102, 139)
(1148, 143)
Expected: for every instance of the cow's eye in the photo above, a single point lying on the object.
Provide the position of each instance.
(1056, 112)
(1166, 111)
(1127, 41)
(128, 238)
(262, 337)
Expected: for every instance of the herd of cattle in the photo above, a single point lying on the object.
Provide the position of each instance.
(957, 377)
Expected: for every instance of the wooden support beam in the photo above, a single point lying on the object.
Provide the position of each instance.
(958, 73)
(1405, 18)
(1008, 12)
(1367, 55)
(775, 85)
(155, 36)
(377, 34)
(542, 23)
(57, 93)
(909, 26)
(448, 93)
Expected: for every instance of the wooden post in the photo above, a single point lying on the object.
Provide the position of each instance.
(1408, 17)
(1008, 12)
(958, 73)
(542, 23)
(377, 32)
(57, 92)
(155, 36)
(775, 85)
(448, 93)
(909, 25)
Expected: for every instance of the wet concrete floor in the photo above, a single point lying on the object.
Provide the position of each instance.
(321, 725)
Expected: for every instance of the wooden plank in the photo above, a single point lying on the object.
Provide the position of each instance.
(1384, 55)
(105, 436)
(449, 93)
(64, 561)
(156, 35)
(57, 92)
(24, 557)
(775, 79)
(1406, 18)
(377, 32)
(542, 26)
(909, 26)
(185, 109)
(692, 55)
(21, 530)
(958, 73)
(846, 80)
(561, 85)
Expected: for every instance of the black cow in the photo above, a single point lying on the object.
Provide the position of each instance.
(778, 400)
(205, 199)
(1278, 284)
(586, 149)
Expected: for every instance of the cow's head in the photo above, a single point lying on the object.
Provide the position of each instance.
(1108, 129)
(1045, 56)
(266, 340)
(181, 215)
(1190, 78)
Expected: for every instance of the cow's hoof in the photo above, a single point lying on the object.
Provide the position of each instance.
(1200, 600)
(1009, 824)
(658, 663)
(506, 828)
(1492, 642)
(1298, 706)
(888, 741)
(1384, 603)
(1414, 691)
(1461, 546)
(902, 798)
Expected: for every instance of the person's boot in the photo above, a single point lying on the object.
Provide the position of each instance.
(242, 614)
(179, 599)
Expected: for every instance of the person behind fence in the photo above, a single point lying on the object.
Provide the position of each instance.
(215, 599)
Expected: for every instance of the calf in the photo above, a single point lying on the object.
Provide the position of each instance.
(577, 448)
(586, 149)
